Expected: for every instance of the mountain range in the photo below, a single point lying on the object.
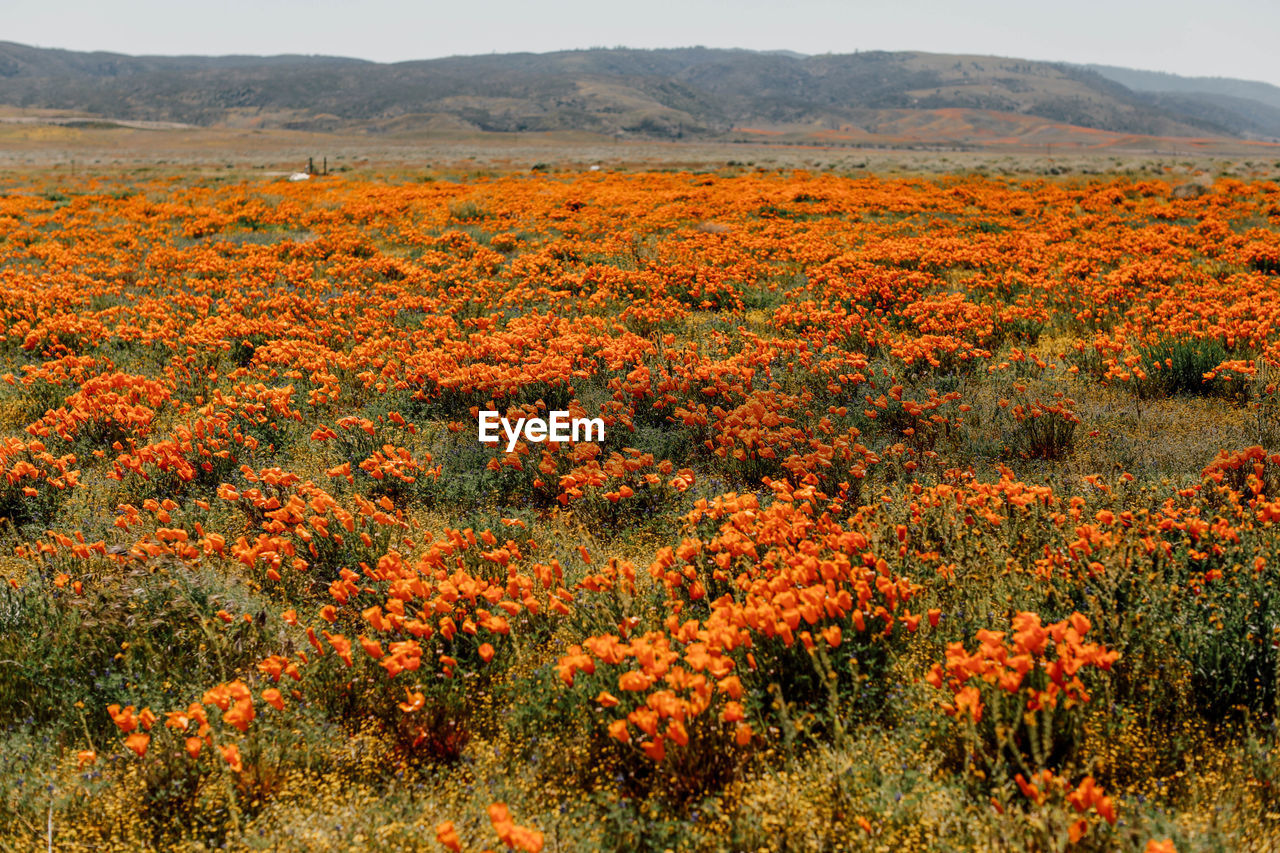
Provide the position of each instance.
(683, 93)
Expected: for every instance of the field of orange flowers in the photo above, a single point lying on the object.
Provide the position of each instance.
(930, 514)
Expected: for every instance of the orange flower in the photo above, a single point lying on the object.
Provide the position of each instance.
(618, 731)
(240, 714)
(138, 743)
(415, 701)
(231, 754)
(511, 834)
(634, 681)
(146, 719)
(448, 836)
(124, 719)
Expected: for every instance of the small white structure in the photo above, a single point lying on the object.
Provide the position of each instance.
(299, 176)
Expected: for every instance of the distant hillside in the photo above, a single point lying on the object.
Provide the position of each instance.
(1247, 107)
(1160, 81)
(18, 60)
(690, 92)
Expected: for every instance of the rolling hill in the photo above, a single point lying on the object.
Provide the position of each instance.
(666, 94)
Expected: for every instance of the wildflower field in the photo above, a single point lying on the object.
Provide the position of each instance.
(931, 514)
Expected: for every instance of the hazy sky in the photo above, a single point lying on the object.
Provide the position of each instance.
(1228, 38)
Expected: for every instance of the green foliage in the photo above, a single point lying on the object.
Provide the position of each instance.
(1183, 363)
(130, 642)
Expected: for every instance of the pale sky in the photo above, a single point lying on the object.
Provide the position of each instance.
(1224, 38)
